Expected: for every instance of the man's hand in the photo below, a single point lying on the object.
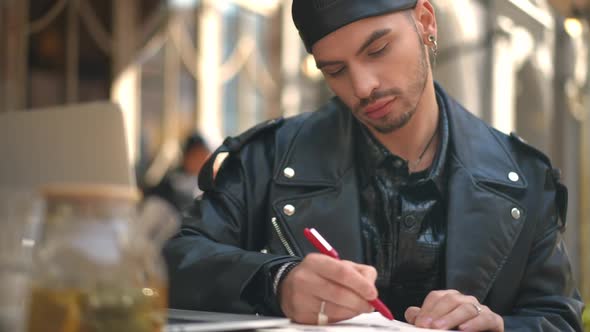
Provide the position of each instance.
(448, 309)
(346, 288)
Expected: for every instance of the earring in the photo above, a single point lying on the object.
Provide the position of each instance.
(434, 46)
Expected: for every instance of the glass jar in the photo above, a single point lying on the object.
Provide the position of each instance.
(94, 269)
(21, 212)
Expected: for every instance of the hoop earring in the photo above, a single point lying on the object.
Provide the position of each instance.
(434, 46)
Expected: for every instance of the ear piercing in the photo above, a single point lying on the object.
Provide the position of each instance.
(434, 46)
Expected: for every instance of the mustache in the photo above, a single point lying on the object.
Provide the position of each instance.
(375, 96)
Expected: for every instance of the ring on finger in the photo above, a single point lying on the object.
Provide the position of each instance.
(477, 308)
(322, 317)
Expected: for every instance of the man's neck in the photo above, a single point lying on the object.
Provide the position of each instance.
(411, 141)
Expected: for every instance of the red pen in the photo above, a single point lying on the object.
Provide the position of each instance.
(325, 248)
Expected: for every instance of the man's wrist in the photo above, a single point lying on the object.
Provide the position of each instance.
(280, 275)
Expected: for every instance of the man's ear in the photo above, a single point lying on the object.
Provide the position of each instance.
(425, 20)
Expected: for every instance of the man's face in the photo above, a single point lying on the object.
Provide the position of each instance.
(378, 67)
(194, 159)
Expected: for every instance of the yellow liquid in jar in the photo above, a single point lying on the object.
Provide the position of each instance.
(100, 310)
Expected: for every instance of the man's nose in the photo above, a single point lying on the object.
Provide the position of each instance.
(364, 83)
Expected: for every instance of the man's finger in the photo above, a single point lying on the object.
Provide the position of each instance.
(451, 302)
(411, 314)
(336, 312)
(335, 293)
(367, 271)
(425, 317)
(310, 313)
(456, 317)
(486, 321)
(342, 273)
(305, 283)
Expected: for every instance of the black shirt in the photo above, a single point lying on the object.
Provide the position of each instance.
(403, 220)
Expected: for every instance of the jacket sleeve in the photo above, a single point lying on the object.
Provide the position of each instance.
(217, 252)
(548, 299)
(547, 274)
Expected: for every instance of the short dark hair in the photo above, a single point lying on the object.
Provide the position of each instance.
(194, 140)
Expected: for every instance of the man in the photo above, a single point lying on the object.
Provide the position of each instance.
(179, 187)
(449, 222)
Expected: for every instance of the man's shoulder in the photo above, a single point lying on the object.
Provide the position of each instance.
(283, 128)
(467, 123)
(534, 161)
(522, 149)
(268, 141)
(526, 148)
(493, 155)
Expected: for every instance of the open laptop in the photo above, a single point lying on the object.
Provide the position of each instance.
(86, 143)
(195, 321)
(83, 143)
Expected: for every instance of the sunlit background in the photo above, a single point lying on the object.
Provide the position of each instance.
(221, 66)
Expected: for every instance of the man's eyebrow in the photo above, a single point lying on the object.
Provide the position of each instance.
(321, 64)
(374, 36)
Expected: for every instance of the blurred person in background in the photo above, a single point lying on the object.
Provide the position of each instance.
(453, 224)
(179, 187)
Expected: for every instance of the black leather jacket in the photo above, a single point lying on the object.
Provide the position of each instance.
(505, 216)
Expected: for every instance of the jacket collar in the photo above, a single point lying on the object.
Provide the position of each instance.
(478, 148)
(322, 159)
(372, 155)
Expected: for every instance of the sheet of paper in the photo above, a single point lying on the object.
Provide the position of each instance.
(365, 322)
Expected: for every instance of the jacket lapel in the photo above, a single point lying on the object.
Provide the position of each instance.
(484, 219)
(334, 212)
(316, 179)
(481, 233)
(481, 229)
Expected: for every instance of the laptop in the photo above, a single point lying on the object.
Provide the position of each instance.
(83, 143)
(86, 143)
(195, 321)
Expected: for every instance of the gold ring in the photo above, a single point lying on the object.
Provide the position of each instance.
(322, 317)
(477, 308)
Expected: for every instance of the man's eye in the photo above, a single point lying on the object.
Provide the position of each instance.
(335, 72)
(379, 51)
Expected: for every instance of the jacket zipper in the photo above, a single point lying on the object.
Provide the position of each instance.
(282, 237)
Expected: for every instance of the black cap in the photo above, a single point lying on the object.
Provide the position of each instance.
(315, 19)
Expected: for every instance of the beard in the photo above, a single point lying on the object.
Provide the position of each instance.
(409, 103)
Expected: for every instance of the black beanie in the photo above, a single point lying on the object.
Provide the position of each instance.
(316, 19)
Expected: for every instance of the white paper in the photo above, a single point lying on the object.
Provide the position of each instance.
(365, 322)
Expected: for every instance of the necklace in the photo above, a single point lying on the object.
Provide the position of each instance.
(417, 162)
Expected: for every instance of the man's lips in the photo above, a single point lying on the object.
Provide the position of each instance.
(378, 108)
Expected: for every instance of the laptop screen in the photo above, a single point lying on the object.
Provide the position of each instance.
(83, 143)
